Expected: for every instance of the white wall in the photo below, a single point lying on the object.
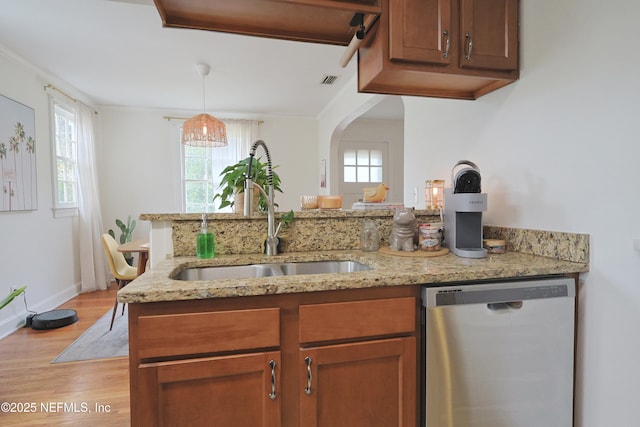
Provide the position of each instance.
(293, 144)
(139, 162)
(559, 150)
(332, 121)
(138, 165)
(36, 249)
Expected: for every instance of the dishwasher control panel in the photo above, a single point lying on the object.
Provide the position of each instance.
(460, 296)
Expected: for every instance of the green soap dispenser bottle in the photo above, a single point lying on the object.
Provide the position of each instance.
(205, 243)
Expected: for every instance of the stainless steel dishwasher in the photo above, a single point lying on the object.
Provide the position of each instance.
(500, 354)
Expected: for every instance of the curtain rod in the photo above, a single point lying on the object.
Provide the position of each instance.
(169, 118)
(71, 98)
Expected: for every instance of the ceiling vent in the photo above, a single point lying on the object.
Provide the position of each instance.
(328, 80)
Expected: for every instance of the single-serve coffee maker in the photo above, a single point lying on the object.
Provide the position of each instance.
(463, 207)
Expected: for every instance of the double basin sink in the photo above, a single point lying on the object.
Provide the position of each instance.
(270, 269)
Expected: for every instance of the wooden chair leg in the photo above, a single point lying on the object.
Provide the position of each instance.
(121, 284)
(113, 316)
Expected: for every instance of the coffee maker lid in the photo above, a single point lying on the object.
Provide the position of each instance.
(467, 179)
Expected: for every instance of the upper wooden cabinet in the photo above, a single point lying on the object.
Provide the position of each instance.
(489, 34)
(320, 21)
(420, 31)
(441, 48)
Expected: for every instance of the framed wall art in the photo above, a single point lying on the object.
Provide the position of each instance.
(18, 184)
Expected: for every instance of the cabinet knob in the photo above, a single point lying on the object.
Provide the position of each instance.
(467, 55)
(307, 389)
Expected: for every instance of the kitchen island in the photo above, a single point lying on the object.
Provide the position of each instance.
(158, 284)
(300, 350)
(296, 350)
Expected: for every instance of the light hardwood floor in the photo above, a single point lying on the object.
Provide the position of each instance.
(89, 393)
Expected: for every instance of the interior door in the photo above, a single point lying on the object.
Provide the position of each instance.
(362, 164)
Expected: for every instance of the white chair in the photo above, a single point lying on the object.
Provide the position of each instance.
(121, 271)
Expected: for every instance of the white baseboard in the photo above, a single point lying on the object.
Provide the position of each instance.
(16, 321)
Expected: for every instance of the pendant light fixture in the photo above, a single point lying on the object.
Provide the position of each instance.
(204, 130)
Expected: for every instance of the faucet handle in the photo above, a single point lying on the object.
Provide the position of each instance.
(248, 197)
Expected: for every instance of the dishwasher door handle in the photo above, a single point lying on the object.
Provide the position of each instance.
(504, 305)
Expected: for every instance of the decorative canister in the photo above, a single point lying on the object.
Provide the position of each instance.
(430, 236)
(494, 246)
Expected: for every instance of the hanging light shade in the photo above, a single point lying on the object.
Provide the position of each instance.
(204, 130)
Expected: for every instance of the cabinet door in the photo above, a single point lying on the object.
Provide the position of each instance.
(239, 391)
(359, 385)
(420, 31)
(489, 34)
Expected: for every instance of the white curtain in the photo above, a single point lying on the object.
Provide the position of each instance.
(93, 270)
(240, 135)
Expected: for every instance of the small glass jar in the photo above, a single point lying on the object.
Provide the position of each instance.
(430, 236)
(369, 237)
(434, 194)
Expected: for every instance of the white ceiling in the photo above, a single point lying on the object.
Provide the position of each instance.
(118, 54)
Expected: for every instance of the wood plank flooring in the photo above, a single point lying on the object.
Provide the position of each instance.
(87, 393)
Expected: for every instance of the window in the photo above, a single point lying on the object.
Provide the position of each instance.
(362, 165)
(65, 146)
(201, 167)
(198, 179)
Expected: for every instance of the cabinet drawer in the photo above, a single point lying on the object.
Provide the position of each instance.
(338, 321)
(212, 332)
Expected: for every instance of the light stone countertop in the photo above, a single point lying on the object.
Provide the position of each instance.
(387, 270)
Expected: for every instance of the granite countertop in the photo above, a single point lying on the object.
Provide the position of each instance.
(387, 270)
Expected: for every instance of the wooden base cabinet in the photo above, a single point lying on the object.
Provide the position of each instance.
(239, 391)
(317, 359)
(361, 384)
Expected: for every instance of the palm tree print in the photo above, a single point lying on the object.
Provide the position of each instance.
(31, 149)
(14, 145)
(17, 156)
(20, 138)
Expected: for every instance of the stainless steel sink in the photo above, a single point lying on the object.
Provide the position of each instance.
(267, 270)
(320, 267)
(228, 272)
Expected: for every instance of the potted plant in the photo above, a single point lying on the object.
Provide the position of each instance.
(126, 233)
(14, 293)
(234, 177)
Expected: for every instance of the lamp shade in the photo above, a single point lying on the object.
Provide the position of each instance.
(204, 130)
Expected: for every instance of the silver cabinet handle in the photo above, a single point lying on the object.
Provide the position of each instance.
(447, 43)
(273, 365)
(307, 389)
(467, 36)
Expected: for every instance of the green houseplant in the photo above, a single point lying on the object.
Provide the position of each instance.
(234, 177)
(14, 293)
(126, 233)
